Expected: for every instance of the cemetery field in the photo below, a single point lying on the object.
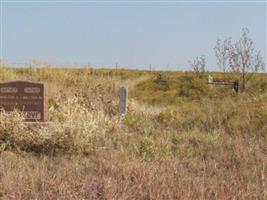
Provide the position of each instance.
(181, 138)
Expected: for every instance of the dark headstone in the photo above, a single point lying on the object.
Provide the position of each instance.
(28, 97)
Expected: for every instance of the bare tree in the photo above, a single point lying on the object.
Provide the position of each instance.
(198, 65)
(240, 57)
(222, 53)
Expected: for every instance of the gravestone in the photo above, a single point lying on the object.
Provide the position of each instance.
(123, 98)
(210, 79)
(28, 97)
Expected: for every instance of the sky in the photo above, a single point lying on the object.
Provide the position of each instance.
(133, 34)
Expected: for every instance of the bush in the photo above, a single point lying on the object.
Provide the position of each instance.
(74, 129)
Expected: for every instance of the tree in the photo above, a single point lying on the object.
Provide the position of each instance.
(221, 51)
(240, 57)
(198, 65)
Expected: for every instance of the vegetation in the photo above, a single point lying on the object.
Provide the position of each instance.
(181, 138)
(240, 57)
(198, 65)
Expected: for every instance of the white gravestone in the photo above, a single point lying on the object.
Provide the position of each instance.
(123, 98)
(210, 79)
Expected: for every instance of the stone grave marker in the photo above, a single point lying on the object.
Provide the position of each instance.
(28, 97)
(210, 79)
(123, 100)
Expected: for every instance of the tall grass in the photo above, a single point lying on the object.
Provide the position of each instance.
(181, 139)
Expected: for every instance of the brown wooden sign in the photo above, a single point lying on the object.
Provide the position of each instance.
(28, 97)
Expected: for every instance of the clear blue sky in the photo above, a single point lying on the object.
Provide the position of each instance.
(134, 34)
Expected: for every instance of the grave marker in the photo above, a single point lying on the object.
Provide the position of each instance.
(123, 98)
(210, 79)
(234, 84)
(28, 97)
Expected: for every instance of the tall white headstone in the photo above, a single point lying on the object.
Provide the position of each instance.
(123, 100)
(210, 79)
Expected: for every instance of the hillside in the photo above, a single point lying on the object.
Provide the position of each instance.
(181, 138)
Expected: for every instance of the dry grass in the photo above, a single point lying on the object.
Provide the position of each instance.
(104, 177)
(190, 145)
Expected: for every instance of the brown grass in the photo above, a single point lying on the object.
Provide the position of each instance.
(202, 146)
(104, 177)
